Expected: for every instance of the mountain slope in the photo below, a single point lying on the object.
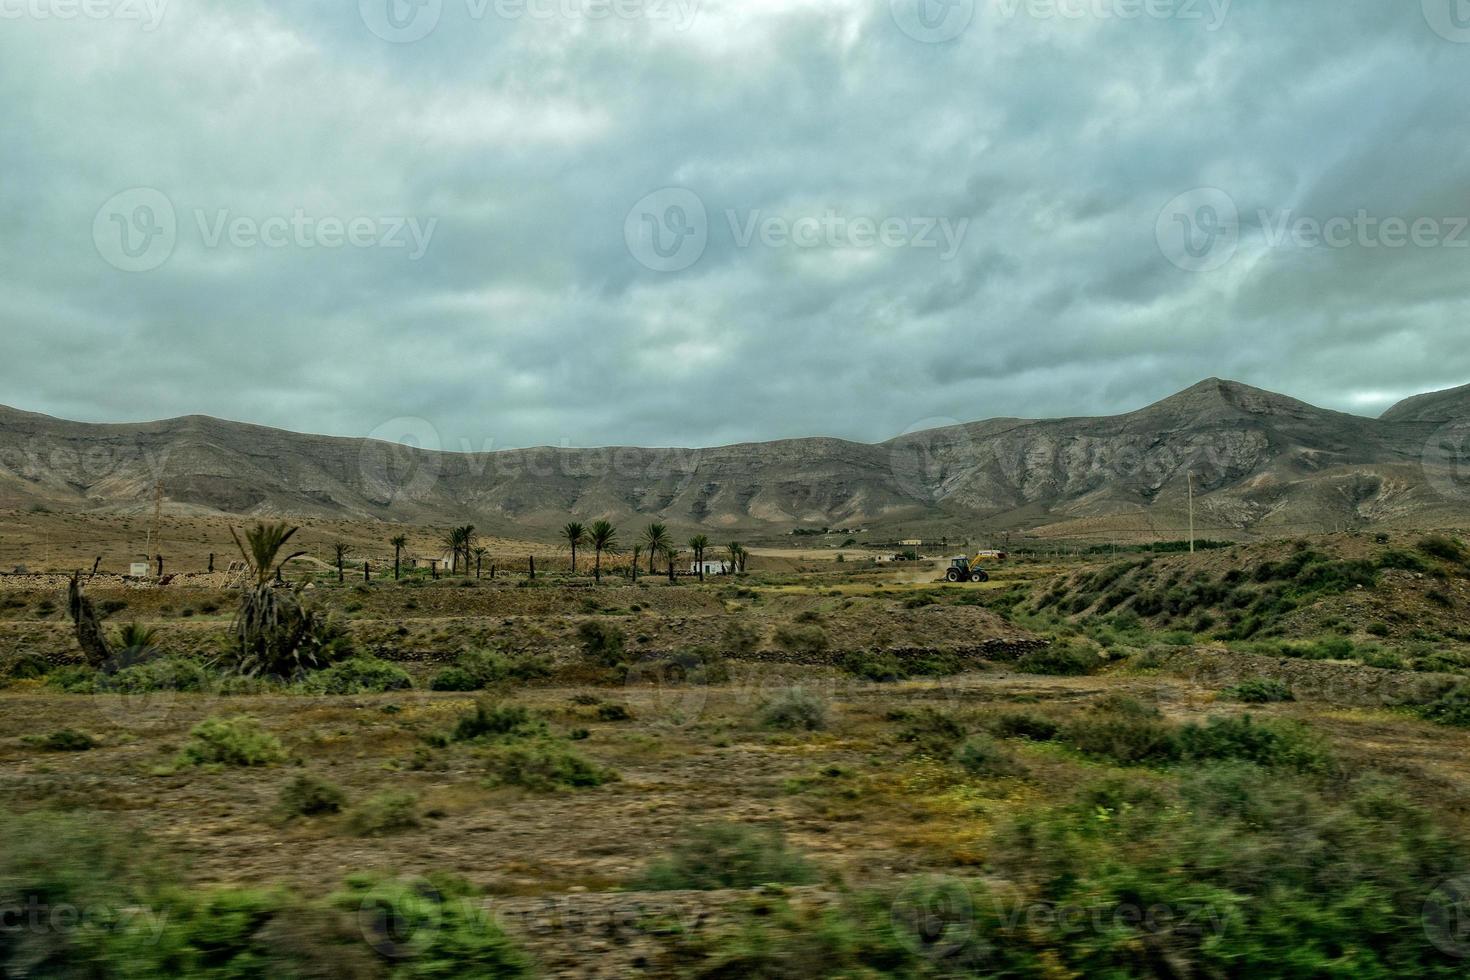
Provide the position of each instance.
(1259, 461)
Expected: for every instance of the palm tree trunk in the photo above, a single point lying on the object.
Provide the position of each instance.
(574, 559)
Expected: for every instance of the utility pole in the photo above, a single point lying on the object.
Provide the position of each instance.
(1191, 512)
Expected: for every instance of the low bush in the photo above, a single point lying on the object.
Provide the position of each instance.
(880, 667)
(726, 855)
(802, 640)
(933, 733)
(1272, 745)
(63, 740)
(358, 675)
(613, 712)
(238, 741)
(1062, 658)
(1034, 727)
(1450, 708)
(602, 643)
(1258, 690)
(543, 765)
(476, 670)
(310, 796)
(491, 721)
(161, 674)
(1442, 547)
(795, 709)
(384, 815)
(981, 755)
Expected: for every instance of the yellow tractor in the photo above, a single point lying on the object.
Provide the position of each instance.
(972, 569)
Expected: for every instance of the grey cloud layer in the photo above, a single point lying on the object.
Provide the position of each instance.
(528, 138)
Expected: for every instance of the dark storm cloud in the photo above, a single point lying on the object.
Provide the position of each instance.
(510, 146)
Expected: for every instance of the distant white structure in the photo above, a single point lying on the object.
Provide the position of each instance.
(913, 543)
(712, 566)
(140, 569)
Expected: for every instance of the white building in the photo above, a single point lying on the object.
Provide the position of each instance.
(712, 566)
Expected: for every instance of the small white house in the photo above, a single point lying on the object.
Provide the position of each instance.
(712, 566)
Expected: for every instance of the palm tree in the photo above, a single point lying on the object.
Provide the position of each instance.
(670, 555)
(576, 536)
(340, 549)
(697, 544)
(398, 543)
(467, 544)
(604, 537)
(452, 541)
(633, 568)
(656, 537)
(271, 626)
(736, 556)
(266, 542)
(480, 554)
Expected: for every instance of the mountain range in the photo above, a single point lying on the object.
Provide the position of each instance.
(1260, 463)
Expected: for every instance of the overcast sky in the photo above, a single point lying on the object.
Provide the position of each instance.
(695, 222)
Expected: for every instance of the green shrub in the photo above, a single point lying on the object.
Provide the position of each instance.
(310, 796)
(1258, 690)
(602, 642)
(1276, 877)
(26, 667)
(74, 679)
(726, 855)
(802, 640)
(475, 670)
(981, 755)
(1123, 732)
(163, 674)
(1274, 744)
(496, 721)
(438, 931)
(385, 814)
(881, 667)
(358, 675)
(1036, 728)
(1450, 708)
(63, 740)
(931, 732)
(613, 712)
(456, 679)
(795, 709)
(1402, 560)
(238, 741)
(1442, 547)
(1062, 658)
(543, 765)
